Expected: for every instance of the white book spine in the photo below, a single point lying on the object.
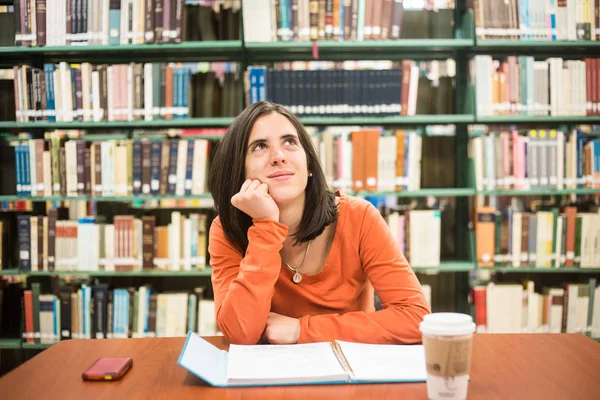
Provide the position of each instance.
(181, 166)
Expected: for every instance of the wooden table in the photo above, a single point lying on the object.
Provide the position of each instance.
(526, 366)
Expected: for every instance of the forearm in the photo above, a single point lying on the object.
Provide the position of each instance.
(245, 294)
(394, 325)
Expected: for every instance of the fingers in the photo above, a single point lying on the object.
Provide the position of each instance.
(245, 185)
(253, 186)
(263, 188)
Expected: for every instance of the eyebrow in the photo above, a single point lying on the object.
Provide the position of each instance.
(283, 137)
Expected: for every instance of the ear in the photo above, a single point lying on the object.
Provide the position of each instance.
(310, 174)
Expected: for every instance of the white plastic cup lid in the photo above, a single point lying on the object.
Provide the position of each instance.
(447, 324)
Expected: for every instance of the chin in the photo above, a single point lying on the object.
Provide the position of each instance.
(284, 195)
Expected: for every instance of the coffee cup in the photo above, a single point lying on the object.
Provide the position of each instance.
(448, 341)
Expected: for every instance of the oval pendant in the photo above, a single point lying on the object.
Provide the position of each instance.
(297, 277)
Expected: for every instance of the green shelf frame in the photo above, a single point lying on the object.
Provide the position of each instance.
(10, 344)
(150, 273)
(440, 119)
(544, 270)
(10, 272)
(535, 47)
(530, 119)
(34, 346)
(437, 192)
(222, 50)
(105, 199)
(446, 266)
(106, 125)
(372, 50)
(537, 192)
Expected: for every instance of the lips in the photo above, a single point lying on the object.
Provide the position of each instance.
(279, 174)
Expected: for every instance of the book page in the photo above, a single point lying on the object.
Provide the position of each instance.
(385, 363)
(204, 360)
(314, 362)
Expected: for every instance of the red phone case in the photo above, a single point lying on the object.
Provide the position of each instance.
(107, 369)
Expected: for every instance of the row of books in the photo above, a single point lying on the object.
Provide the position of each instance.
(523, 86)
(99, 311)
(124, 92)
(348, 20)
(361, 159)
(127, 243)
(550, 238)
(110, 168)
(355, 88)
(519, 308)
(117, 22)
(64, 164)
(418, 235)
(535, 158)
(537, 20)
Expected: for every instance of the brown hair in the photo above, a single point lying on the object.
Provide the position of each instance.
(227, 174)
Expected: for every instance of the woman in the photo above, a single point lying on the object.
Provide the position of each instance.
(293, 262)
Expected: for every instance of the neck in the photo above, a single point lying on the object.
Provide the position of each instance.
(291, 215)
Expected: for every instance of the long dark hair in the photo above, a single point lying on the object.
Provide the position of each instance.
(227, 174)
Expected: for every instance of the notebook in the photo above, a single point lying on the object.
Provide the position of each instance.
(302, 364)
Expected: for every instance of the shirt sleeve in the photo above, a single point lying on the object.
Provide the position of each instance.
(243, 286)
(404, 303)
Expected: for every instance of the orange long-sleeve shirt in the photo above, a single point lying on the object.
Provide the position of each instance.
(337, 302)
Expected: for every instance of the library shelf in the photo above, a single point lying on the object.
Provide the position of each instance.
(533, 119)
(435, 192)
(148, 273)
(446, 266)
(357, 50)
(219, 50)
(8, 344)
(105, 198)
(10, 272)
(106, 125)
(545, 270)
(433, 119)
(538, 192)
(535, 47)
(34, 346)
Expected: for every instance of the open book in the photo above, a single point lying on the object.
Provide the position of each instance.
(302, 364)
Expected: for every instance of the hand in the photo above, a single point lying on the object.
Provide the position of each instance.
(254, 199)
(281, 329)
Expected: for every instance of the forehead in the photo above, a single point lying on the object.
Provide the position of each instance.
(271, 126)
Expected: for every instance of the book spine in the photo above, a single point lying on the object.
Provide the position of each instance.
(155, 162)
(177, 27)
(41, 22)
(24, 232)
(148, 223)
(149, 21)
(158, 20)
(114, 18)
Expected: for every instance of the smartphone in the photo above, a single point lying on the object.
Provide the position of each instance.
(107, 369)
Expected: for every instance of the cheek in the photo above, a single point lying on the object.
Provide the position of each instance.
(253, 167)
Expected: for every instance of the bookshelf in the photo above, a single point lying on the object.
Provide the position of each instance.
(222, 50)
(460, 48)
(177, 123)
(524, 119)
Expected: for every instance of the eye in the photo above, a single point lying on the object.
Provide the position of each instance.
(259, 146)
(290, 140)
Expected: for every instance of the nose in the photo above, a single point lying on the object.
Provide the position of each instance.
(277, 156)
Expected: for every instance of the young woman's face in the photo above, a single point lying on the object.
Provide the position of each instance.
(276, 157)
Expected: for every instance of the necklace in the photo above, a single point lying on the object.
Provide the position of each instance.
(297, 275)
